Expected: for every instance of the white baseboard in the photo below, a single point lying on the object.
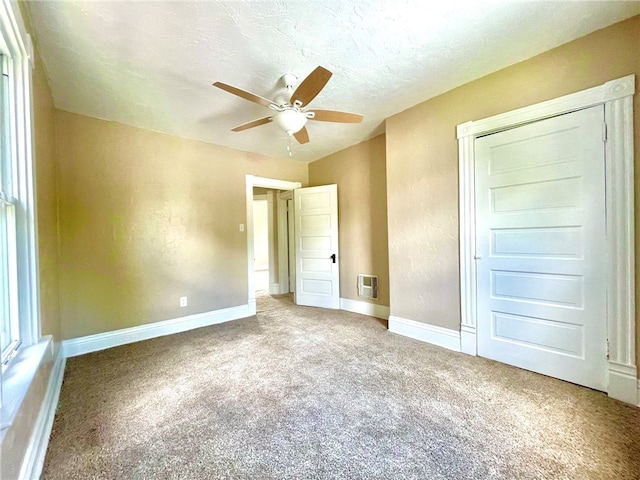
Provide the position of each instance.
(101, 341)
(442, 337)
(468, 342)
(623, 383)
(365, 308)
(274, 289)
(37, 448)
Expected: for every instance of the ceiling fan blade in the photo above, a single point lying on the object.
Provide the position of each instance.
(252, 97)
(311, 86)
(335, 116)
(302, 136)
(254, 123)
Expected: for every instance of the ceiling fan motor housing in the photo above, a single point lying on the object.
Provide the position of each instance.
(290, 80)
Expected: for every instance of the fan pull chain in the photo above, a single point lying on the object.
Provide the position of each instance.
(289, 144)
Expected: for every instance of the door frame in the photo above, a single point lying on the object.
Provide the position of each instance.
(250, 182)
(285, 249)
(617, 98)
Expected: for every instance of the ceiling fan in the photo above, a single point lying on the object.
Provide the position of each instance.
(291, 106)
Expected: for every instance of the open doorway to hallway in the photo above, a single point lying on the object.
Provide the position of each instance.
(272, 235)
(275, 280)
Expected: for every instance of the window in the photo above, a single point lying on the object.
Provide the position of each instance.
(10, 332)
(19, 303)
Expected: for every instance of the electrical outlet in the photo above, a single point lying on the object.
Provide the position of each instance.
(183, 301)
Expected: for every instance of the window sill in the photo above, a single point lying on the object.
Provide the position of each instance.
(17, 378)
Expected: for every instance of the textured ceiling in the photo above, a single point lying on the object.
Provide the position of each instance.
(151, 64)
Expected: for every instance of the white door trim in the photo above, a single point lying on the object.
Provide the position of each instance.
(617, 98)
(253, 181)
(283, 244)
(274, 282)
(292, 245)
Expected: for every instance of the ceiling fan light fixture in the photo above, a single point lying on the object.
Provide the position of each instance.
(290, 121)
(291, 103)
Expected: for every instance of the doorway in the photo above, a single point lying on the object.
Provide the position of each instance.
(279, 263)
(270, 241)
(316, 254)
(617, 98)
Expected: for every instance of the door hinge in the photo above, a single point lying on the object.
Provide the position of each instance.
(607, 349)
(604, 132)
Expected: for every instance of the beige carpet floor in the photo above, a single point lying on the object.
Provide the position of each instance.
(306, 393)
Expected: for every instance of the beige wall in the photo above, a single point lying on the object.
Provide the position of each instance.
(146, 218)
(359, 172)
(422, 171)
(44, 135)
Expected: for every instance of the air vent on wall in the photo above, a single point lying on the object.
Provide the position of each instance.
(368, 286)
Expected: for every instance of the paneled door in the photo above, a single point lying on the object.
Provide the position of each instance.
(316, 241)
(540, 236)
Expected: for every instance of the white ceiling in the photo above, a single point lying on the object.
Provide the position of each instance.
(151, 64)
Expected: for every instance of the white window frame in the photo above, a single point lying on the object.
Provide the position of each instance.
(16, 44)
(9, 302)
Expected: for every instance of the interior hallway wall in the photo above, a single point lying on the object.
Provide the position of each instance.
(260, 234)
(272, 236)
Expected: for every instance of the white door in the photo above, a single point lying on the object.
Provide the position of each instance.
(316, 241)
(540, 226)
